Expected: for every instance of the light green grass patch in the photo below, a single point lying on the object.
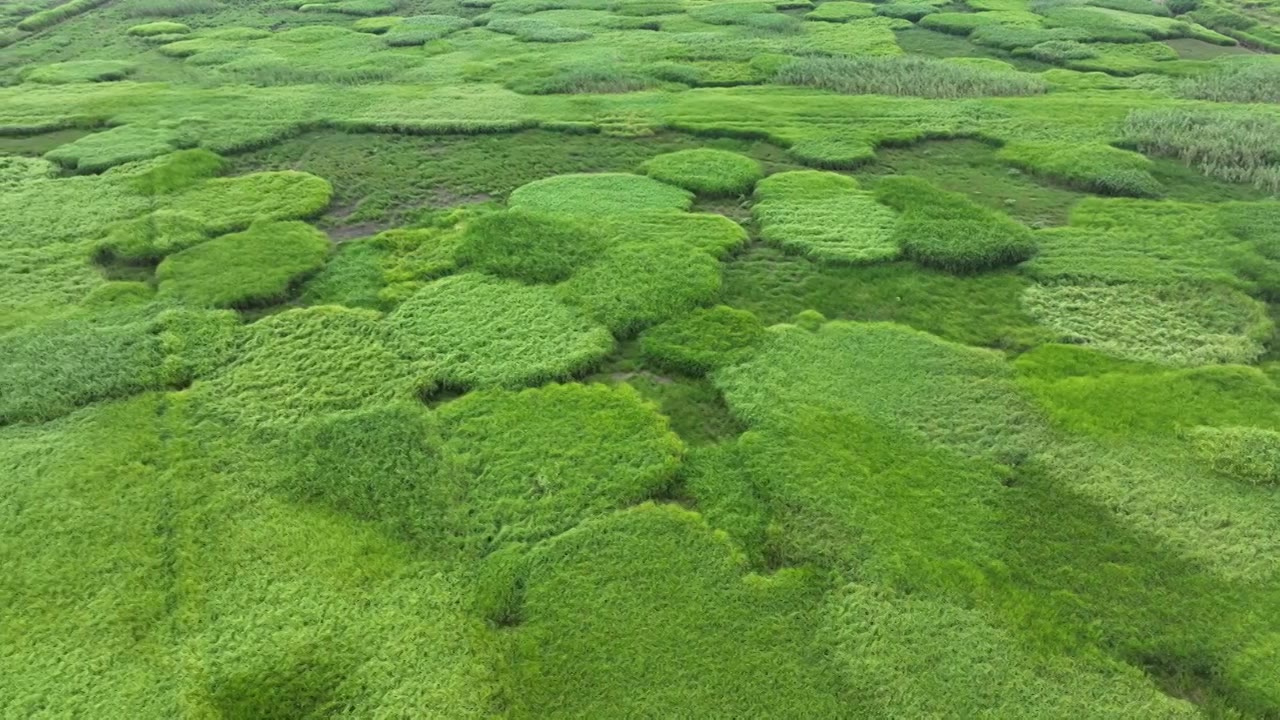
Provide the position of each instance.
(1093, 167)
(824, 216)
(706, 171)
(598, 194)
(253, 267)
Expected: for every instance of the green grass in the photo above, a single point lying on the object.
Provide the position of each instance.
(477, 331)
(703, 340)
(528, 246)
(824, 216)
(1244, 453)
(1229, 144)
(599, 194)
(706, 171)
(255, 267)
(906, 75)
(1096, 168)
(948, 231)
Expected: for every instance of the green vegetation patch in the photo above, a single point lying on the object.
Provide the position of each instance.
(1234, 145)
(703, 340)
(706, 171)
(538, 461)
(946, 230)
(824, 216)
(906, 75)
(80, 71)
(1093, 167)
(254, 267)
(650, 608)
(151, 237)
(159, 28)
(597, 194)
(102, 150)
(952, 395)
(482, 331)
(529, 246)
(233, 203)
(536, 30)
(841, 11)
(1182, 325)
(1250, 454)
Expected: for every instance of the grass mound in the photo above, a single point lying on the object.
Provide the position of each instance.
(528, 246)
(536, 30)
(254, 267)
(703, 340)
(824, 216)
(1181, 325)
(948, 231)
(151, 237)
(706, 171)
(537, 462)
(80, 71)
(158, 28)
(226, 204)
(1246, 453)
(683, 622)
(906, 75)
(480, 331)
(599, 194)
(1096, 168)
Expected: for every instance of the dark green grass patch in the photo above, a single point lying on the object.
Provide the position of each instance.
(948, 231)
(971, 167)
(706, 171)
(824, 216)
(534, 463)
(984, 310)
(906, 75)
(599, 194)
(528, 246)
(355, 277)
(481, 331)
(703, 340)
(254, 267)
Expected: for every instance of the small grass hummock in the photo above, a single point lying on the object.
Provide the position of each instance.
(906, 75)
(528, 246)
(703, 340)
(1093, 167)
(596, 194)
(825, 216)
(706, 171)
(255, 267)
(948, 231)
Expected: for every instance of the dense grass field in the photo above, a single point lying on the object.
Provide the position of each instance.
(639, 359)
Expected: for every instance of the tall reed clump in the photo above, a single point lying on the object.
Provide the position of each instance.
(1254, 82)
(906, 75)
(1234, 145)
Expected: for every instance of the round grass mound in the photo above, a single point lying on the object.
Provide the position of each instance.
(703, 340)
(529, 246)
(1246, 453)
(706, 171)
(243, 269)
(158, 28)
(479, 330)
(539, 461)
(597, 194)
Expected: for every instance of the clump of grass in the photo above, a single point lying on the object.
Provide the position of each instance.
(528, 246)
(1234, 145)
(731, 13)
(906, 75)
(481, 331)
(79, 71)
(706, 171)
(1059, 52)
(1093, 167)
(636, 284)
(1179, 325)
(841, 11)
(170, 8)
(949, 231)
(912, 11)
(1012, 37)
(56, 14)
(304, 363)
(583, 79)
(962, 23)
(703, 341)
(824, 216)
(536, 30)
(150, 237)
(254, 267)
(711, 233)
(597, 194)
(377, 25)
(1250, 454)
(422, 29)
(355, 277)
(177, 171)
(158, 28)
(534, 463)
(102, 150)
(1244, 82)
(226, 204)
(361, 8)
